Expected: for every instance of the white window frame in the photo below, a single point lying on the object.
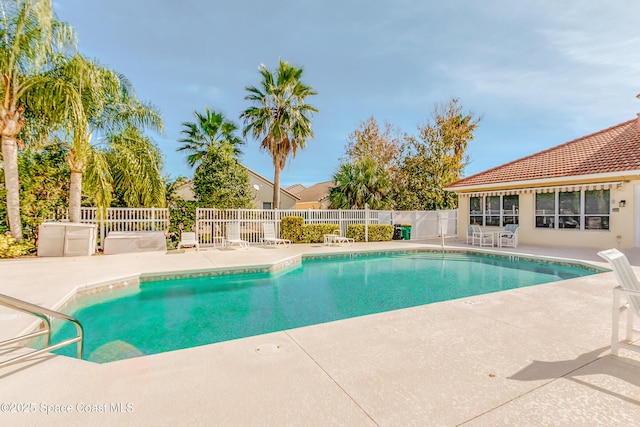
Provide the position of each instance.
(484, 213)
(582, 214)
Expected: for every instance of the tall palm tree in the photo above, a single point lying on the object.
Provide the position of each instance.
(111, 119)
(280, 116)
(210, 130)
(30, 37)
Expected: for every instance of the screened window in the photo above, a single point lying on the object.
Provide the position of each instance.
(492, 216)
(510, 206)
(582, 210)
(475, 210)
(494, 210)
(545, 209)
(596, 209)
(569, 215)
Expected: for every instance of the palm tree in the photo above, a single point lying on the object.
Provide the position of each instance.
(363, 182)
(109, 126)
(280, 116)
(210, 131)
(135, 164)
(30, 37)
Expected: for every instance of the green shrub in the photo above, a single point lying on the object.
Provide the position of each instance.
(182, 218)
(9, 248)
(314, 233)
(291, 228)
(377, 232)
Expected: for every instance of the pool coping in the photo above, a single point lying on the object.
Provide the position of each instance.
(332, 365)
(282, 265)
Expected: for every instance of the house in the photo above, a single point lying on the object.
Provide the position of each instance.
(262, 187)
(314, 197)
(582, 193)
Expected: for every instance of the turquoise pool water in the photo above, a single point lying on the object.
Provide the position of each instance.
(173, 314)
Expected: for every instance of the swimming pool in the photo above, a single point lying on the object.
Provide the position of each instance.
(164, 315)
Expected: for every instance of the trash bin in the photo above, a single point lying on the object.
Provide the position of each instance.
(406, 231)
(397, 232)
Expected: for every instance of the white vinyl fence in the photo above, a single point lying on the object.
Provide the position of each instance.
(126, 219)
(210, 224)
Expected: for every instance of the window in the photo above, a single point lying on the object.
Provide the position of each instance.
(494, 210)
(510, 209)
(581, 210)
(596, 210)
(545, 209)
(569, 215)
(266, 205)
(492, 216)
(475, 209)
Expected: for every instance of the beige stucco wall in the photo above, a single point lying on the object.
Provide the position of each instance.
(621, 233)
(265, 194)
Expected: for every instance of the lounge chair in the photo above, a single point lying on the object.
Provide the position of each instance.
(629, 287)
(338, 239)
(509, 237)
(269, 235)
(233, 236)
(484, 239)
(188, 240)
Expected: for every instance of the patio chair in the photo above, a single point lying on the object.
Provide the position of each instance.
(469, 233)
(233, 236)
(509, 237)
(269, 235)
(630, 288)
(484, 239)
(338, 239)
(188, 239)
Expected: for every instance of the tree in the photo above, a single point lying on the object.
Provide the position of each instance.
(108, 126)
(280, 116)
(221, 181)
(30, 38)
(210, 129)
(435, 159)
(44, 188)
(363, 182)
(135, 165)
(370, 141)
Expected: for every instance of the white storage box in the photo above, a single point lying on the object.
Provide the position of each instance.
(66, 239)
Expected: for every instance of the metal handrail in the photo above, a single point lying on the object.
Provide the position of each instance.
(44, 314)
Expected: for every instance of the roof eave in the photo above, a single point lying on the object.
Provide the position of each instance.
(547, 182)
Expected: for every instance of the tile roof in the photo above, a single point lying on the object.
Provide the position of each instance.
(316, 192)
(296, 188)
(615, 149)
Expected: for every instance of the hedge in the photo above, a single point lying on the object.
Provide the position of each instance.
(377, 232)
(291, 228)
(314, 233)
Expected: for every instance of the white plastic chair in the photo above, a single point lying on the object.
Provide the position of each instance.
(269, 235)
(509, 237)
(188, 239)
(484, 239)
(338, 239)
(630, 288)
(233, 236)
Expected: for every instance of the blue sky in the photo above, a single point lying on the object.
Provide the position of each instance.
(539, 73)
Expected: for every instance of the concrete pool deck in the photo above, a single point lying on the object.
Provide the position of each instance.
(531, 356)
